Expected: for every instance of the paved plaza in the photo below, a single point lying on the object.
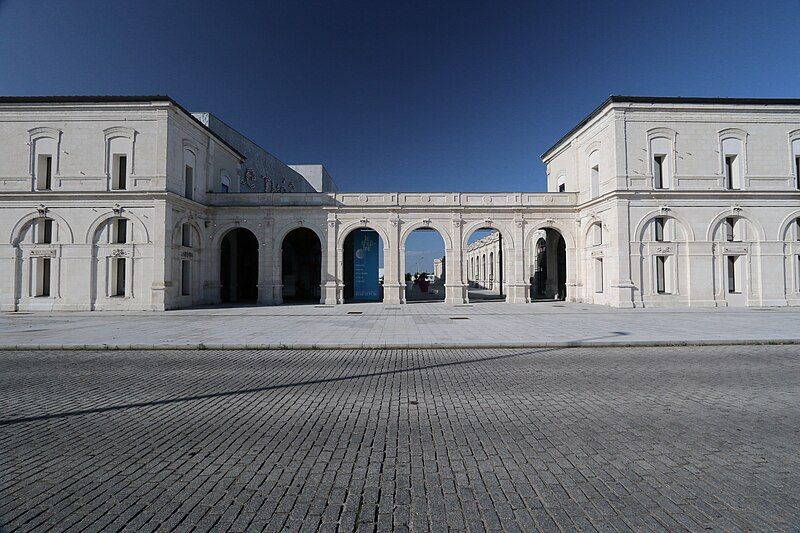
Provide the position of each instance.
(420, 325)
(607, 439)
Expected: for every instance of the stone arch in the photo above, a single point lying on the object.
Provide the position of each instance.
(641, 227)
(347, 267)
(22, 223)
(219, 233)
(786, 225)
(567, 234)
(441, 229)
(177, 228)
(140, 226)
(239, 275)
(740, 213)
(472, 227)
(281, 234)
(350, 227)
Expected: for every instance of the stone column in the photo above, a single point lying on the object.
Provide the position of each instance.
(270, 288)
(700, 289)
(331, 279)
(518, 287)
(393, 290)
(620, 284)
(455, 286)
(162, 255)
(771, 292)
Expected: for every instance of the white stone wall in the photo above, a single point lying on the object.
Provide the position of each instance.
(159, 137)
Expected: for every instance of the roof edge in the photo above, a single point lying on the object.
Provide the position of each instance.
(623, 99)
(115, 99)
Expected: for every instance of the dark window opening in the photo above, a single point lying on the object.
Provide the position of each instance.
(658, 172)
(659, 229)
(119, 286)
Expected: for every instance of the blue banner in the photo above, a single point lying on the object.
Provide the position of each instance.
(366, 286)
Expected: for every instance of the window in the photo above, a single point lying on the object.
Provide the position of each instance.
(118, 267)
(659, 229)
(730, 229)
(595, 184)
(661, 280)
(597, 234)
(120, 231)
(44, 172)
(797, 172)
(732, 261)
(120, 172)
(186, 235)
(225, 184)
(730, 161)
(797, 227)
(658, 172)
(45, 234)
(598, 275)
(188, 182)
(562, 187)
(43, 276)
(186, 277)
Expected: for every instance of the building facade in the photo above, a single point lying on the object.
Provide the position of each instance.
(118, 203)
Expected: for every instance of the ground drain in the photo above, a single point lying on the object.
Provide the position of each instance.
(354, 313)
(459, 318)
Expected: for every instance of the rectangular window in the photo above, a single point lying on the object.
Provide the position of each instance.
(562, 187)
(598, 275)
(595, 184)
(120, 177)
(797, 228)
(121, 233)
(46, 231)
(730, 229)
(186, 278)
(659, 229)
(730, 172)
(598, 234)
(43, 276)
(188, 182)
(44, 173)
(186, 235)
(731, 265)
(119, 276)
(797, 171)
(658, 172)
(661, 279)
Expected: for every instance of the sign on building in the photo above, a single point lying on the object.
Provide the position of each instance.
(366, 286)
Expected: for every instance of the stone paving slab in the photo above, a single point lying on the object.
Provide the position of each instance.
(614, 439)
(420, 325)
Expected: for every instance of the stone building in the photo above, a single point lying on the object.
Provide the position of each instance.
(135, 203)
(484, 258)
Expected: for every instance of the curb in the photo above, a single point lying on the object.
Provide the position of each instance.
(396, 346)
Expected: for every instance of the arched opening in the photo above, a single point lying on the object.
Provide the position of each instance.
(425, 266)
(363, 266)
(548, 265)
(301, 266)
(239, 267)
(486, 281)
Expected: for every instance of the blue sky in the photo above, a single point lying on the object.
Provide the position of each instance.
(429, 96)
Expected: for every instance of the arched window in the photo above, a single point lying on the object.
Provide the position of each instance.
(561, 183)
(224, 183)
(796, 162)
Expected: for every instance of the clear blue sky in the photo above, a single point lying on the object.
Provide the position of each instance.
(433, 96)
(402, 95)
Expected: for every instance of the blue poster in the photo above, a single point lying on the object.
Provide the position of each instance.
(366, 285)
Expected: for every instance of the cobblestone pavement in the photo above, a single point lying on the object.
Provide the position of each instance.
(515, 440)
(415, 325)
